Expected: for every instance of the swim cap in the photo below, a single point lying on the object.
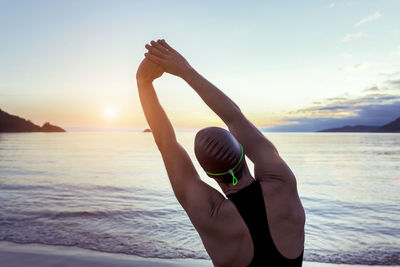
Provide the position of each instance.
(219, 154)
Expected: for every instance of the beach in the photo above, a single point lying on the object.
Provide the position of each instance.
(21, 255)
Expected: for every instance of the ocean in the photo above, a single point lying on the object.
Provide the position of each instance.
(110, 192)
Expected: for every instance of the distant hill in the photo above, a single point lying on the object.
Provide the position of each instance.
(392, 127)
(11, 123)
(357, 129)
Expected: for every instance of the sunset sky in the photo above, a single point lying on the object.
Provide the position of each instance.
(289, 65)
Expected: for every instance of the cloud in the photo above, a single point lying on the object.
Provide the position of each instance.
(373, 115)
(394, 84)
(340, 98)
(351, 37)
(389, 73)
(354, 68)
(332, 5)
(372, 17)
(333, 108)
(374, 88)
(378, 106)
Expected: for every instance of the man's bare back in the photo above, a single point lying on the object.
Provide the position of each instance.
(286, 219)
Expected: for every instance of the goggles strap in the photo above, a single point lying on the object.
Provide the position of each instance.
(234, 179)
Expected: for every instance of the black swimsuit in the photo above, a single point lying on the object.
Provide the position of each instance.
(250, 203)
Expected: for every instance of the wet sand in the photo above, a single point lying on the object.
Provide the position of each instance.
(21, 255)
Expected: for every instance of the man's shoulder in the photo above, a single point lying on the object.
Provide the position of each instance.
(227, 236)
(224, 223)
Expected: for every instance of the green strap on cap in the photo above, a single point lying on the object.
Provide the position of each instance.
(234, 179)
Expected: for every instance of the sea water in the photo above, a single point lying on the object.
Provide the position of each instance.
(110, 192)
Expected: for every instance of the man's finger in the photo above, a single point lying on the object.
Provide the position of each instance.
(159, 47)
(167, 46)
(154, 51)
(154, 58)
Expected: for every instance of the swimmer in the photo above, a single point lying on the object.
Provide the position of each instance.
(260, 220)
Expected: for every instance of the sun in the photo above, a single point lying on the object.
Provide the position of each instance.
(109, 112)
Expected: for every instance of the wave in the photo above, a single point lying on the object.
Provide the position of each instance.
(381, 255)
(63, 187)
(139, 245)
(136, 235)
(81, 215)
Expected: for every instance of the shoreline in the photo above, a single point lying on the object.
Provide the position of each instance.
(19, 255)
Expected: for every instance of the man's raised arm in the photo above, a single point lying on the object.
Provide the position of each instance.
(161, 127)
(196, 197)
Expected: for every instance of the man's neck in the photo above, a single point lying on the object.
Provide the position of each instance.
(242, 183)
